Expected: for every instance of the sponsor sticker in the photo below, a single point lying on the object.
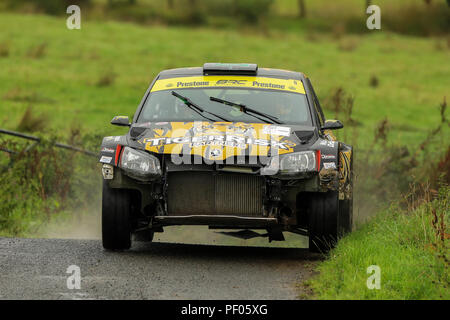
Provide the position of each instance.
(107, 150)
(327, 143)
(249, 82)
(215, 152)
(215, 140)
(329, 165)
(115, 138)
(105, 159)
(328, 156)
(277, 130)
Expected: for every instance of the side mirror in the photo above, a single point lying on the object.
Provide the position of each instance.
(332, 125)
(121, 121)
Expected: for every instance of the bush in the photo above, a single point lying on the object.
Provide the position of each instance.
(252, 11)
(416, 20)
(385, 170)
(185, 15)
(53, 7)
(410, 247)
(44, 182)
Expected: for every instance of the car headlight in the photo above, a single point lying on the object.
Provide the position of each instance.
(139, 165)
(298, 162)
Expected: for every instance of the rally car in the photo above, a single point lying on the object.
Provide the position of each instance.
(229, 146)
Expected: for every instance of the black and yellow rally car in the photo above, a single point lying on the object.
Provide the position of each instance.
(229, 146)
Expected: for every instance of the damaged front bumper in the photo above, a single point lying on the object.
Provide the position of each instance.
(224, 196)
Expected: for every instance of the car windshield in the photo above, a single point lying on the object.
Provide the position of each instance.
(287, 107)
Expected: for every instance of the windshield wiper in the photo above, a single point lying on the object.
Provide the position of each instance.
(195, 107)
(243, 108)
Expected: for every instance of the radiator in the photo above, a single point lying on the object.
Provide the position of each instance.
(214, 193)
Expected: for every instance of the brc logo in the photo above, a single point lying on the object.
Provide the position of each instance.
(230, 82)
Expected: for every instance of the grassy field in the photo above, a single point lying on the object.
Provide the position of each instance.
(82, 78)
(410, 250)
(411, 17)
(87, 76)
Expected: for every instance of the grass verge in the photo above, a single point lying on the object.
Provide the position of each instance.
(410, 247)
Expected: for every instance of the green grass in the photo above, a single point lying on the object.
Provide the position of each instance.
(63, 82)
(58, 72)
(413, 17)
(402, 246)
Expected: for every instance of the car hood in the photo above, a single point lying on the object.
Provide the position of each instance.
(220, 140)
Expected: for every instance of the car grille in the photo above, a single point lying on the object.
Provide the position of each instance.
(215, 193)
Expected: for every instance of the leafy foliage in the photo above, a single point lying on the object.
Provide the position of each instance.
(409, 246)
(40, 181)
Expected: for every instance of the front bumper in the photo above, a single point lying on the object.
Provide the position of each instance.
(218, 221)
(204, 196)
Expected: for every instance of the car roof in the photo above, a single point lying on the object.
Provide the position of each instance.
(261, 72)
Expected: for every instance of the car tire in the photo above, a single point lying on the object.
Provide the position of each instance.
(323, 215)
(345, 216)
(116, 222)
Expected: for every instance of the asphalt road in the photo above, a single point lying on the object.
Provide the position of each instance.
(36, 269)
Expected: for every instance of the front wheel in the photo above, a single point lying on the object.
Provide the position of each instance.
(323, 212)
(116, 222)
(345, 216)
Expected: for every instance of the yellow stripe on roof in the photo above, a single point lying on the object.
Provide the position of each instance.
(290, 85)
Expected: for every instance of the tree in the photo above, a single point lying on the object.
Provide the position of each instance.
(301, 8)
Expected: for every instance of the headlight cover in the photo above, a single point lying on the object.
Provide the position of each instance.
(139, 165)
(304, 161)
